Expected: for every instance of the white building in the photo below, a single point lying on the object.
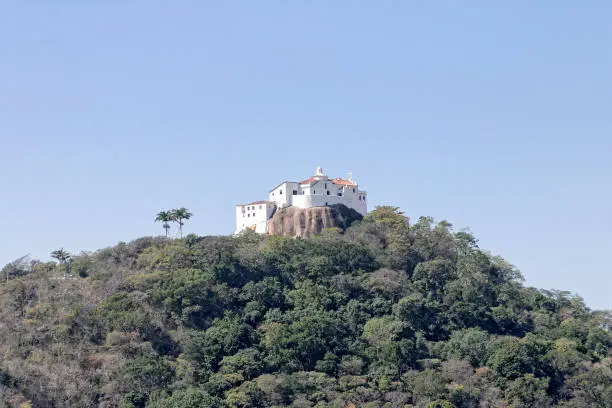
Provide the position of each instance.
(254, 216)
(316, 191)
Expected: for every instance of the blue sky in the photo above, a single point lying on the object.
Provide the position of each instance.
(496, 116)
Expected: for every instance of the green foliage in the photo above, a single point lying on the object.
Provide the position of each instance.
(469, 344)
(164, 217)
(301, 344)
(145, 374)
(205, 349)
(440, 404)
(188, 296)
(187, 398)
(178, 215)
(513, 358)
(124, 312)
(528, 391)
(386, 314)
(246, 362)
(19, 267)
(64, 258)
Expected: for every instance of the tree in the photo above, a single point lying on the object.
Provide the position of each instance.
(528, 391)
(164, 217)
(469, 344)
(179, 215)
(396, 241)
(187, 398)
(246, 362)
(18, 267)
(146, 373)
(512, 358)
(384, 337)
(386, 314)
(63, 257)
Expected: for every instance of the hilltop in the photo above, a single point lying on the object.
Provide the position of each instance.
(386, 313)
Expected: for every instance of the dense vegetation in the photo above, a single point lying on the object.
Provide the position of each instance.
(384, 314)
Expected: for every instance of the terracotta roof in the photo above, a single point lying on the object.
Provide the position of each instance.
(343, 182)
(308, 180)
(338, 181)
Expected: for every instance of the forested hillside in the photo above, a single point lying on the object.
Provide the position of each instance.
(385, 314)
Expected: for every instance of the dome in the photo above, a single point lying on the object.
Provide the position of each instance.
(319, 175)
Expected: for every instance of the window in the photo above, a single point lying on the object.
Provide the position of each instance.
(339, 194)
(326, 186)
(260, 207)
(248, 215)
(253, 214)
(294, 192)
(327, 192)
(280, 192)
(326, 203)
(314, 192)
(353, 190)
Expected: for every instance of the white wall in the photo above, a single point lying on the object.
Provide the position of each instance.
(283, 194)
(317, 196)
(351, 198)
(256, 214)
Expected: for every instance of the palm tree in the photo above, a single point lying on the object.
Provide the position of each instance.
(179, 215)
(164, 217)
(63, 257)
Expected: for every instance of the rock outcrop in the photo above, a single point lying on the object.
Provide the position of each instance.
(306, 222)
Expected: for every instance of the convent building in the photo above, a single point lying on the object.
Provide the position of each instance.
(316, 191)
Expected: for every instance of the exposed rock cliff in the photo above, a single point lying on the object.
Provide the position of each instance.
(305, 222)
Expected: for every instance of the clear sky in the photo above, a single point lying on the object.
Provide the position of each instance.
(493, 115)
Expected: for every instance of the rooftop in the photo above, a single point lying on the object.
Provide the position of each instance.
(338, 181)
(344, 182)
(256, 202)
(308, 180)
